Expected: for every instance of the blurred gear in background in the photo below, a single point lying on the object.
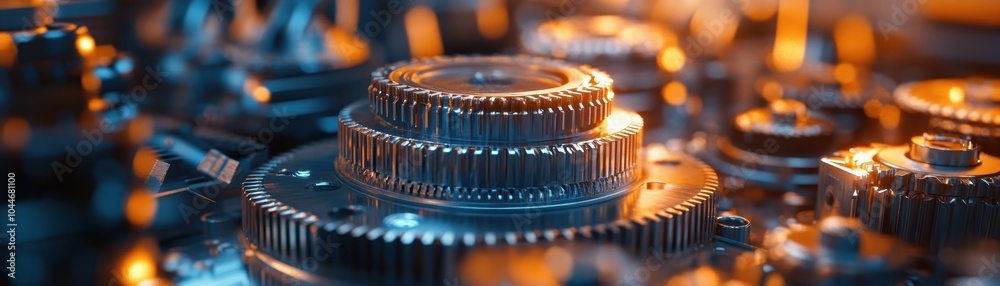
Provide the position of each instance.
(239, 142)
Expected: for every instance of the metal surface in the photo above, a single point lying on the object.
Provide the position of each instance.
(929, 205)
(969, 106)
(837, 251)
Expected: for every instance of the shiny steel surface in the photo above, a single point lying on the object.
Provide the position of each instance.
(966, 106)
(929, 205)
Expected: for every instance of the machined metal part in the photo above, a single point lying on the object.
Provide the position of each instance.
(969, 106)
(837, 251)
(411, 201)
(775, 147)
(735, 228)
(928, 194)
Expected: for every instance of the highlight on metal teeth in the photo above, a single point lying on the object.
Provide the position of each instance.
(492, 174)
(581, 101)
(631, 39)
(927, 210)
(400, 255)
(943, 106)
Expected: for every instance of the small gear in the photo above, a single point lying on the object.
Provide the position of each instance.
(938, 198)
(489, 98)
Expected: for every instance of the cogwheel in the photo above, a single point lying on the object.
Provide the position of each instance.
(489, 98)
(943, 199)
(961, 106)
(319, 222)
(587, 38)
(578, 167)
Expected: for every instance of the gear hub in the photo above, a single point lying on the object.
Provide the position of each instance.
(451, 154)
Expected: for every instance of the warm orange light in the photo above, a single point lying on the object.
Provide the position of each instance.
(139, 264)
(706, 21)
(85, 44)
(347, 14)
(790, 36)
(261, 94)
(140, 209)
(8, 50)
(889, 116)
(956, 94)
(96, 104)
(139, 130)
(16, 133)
(674, 93)
(977, 12)
(350, 49)
(855, 40)
(491, 18)
(559, 262)
(845, 73)
(760, 10)
(142, 162)
(422, 32)
(671, 59)
(771, 90)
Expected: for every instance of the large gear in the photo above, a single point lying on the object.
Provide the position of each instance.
(379, 196)
(935, 203)
(960, 106)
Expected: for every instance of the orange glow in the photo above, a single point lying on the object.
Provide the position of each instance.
(261, 94)
(140, 129)
(422, 32)
(559, 262)
(855, 40)
(674, 93)
(351, 49)
(671, 59)
(140, 209)
(790, 37)
(142, 162)
(606, 25)
(977, 12)
(703, 275)
(96, 104)
(845, 73)
(491, 18)
(526, 269)
(771, 90)
(16, 133)
(760, 10)
(956, 94)
(90, 82)
(8, 50)
(347, 14)
(85, 44)
(704, 21)
(889, 116)
(139, 264)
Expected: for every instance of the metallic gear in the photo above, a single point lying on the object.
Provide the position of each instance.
(410, 221)
(960, 106)
(836, 252)
(933, 198)
(776, 147)
(488, 98)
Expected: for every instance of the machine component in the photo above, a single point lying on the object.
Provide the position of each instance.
(627, 49)
(396, 217)
(733, 228)
(968, 107)
(938, 191)
(777, 147)
(837, 251)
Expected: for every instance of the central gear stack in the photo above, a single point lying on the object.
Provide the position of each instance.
(451, 154)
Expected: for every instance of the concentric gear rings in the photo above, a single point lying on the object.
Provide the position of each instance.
(317, 221)
(959, 106)
(579, 167)
(491, 98)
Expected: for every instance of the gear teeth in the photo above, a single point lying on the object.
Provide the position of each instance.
(579, 103)
(304, 240)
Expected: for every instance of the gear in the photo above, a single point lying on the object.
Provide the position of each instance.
(960, 106)
(490, 98)
(320, 222)
(578, 167)
(933, 203)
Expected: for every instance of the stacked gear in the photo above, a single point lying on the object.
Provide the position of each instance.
(450, 154)
(969, 107)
